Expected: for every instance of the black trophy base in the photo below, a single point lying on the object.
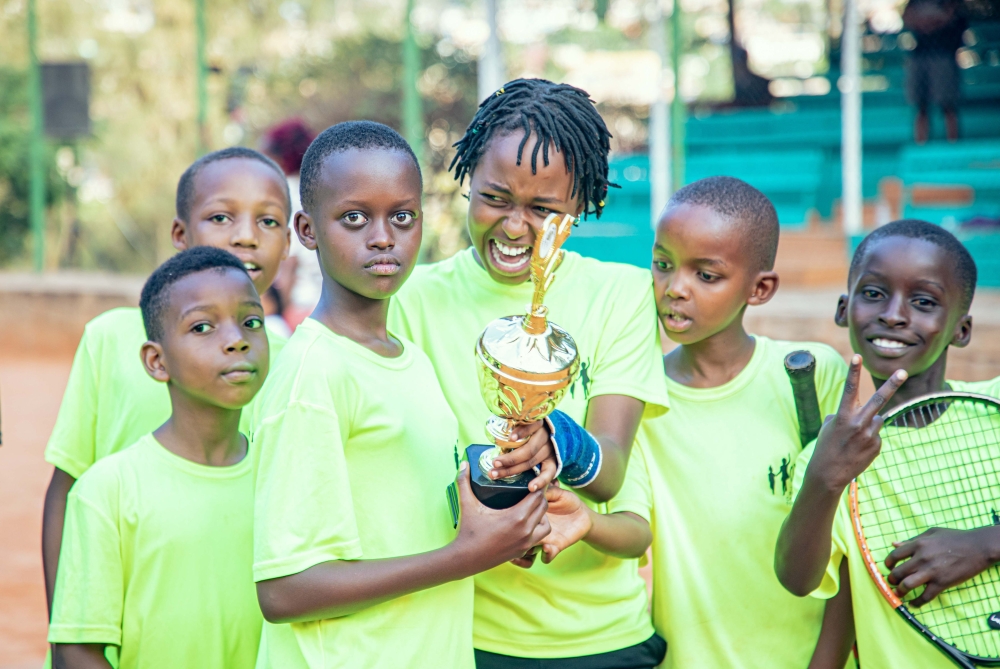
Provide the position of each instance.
(495, 494)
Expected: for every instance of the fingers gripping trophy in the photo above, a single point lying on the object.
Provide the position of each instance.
(526, 364)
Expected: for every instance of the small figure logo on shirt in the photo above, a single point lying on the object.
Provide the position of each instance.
(584, 379)
(994, 620)
(785, 472)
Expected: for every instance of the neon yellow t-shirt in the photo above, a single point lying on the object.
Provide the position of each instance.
(885, 640)
(719, 483)
(585, 602)
(356, 453)
(156, 558)
(110, 400)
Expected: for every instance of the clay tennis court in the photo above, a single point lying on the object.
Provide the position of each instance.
(41, 321)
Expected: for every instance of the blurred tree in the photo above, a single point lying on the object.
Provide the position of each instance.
(14, 145)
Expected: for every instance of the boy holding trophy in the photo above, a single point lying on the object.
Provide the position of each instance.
(536, 148)
(356, 556)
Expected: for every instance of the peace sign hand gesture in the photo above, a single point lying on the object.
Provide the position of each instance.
(849, 440)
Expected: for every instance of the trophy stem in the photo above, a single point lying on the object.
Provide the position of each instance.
(499, 430)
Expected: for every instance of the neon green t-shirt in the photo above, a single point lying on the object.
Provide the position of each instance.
(719, 483)
(110, 400)
(156, 558)
(884, 639)
(356, 453)
(585, 602)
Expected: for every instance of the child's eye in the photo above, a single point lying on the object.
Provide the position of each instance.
(403, 218)
(662, 265)
(871, 293)
(254, 323)
(492, 198)
(219, 218)
(201, 328)
(355, 218)
(270, 223)
(545, 211)
(924, 303)
(705, 276)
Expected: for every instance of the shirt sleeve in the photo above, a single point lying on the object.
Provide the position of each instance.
(631, 358)
(90, 584)
(830, 584)
(71, 445)
(635, 495)
(303, 509)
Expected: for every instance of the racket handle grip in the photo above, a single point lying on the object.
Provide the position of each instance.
(801, 369)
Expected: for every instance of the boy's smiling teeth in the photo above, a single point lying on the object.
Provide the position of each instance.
(251, 266)
(888, 343)
(511, 250)
(509, 258)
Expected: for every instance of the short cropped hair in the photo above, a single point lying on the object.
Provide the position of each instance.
(961, 260)
(186, 184)
(559, 115)
(741, 203)
(359, 135)
(156, 293)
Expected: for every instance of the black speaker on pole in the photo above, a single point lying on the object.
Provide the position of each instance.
(66, 96)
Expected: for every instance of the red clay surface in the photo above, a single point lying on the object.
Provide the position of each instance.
(30, 392)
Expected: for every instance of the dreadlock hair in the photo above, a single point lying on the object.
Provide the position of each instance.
(960, 260)
(556, 113)
(186, 185)
(156, 293)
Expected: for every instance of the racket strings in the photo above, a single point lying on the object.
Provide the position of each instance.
(939, 467)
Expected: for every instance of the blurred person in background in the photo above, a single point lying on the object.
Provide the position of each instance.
(297, 287)
(932, 72)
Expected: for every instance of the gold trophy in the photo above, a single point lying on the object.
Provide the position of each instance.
(526, 364)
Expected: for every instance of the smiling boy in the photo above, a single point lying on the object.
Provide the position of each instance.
(535, 148)
(235, 199)
(356, 555)
(910, 287)
(157, 548)
(718, 466)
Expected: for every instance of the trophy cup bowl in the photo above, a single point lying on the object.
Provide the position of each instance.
(522, 377)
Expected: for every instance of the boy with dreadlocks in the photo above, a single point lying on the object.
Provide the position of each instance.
(535, 148)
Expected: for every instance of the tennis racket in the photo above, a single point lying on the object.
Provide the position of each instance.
(801, 369)
(939, 466)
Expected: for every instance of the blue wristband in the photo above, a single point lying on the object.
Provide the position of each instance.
(579, 453)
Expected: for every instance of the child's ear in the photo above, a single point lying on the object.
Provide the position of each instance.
(840, 317)
(152, 360)
(178, 234)
(305, 230)
(963, 332)
(764, 288)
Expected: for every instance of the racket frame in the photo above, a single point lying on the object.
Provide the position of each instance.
(964, 660)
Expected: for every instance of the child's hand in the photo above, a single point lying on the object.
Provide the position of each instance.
(849, 440)
(538, 450)
(569, 518)
(940, 559)
(489, 537)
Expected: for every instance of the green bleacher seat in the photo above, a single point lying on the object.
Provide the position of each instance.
(975, 164)
(624, 233)
(790, 178)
